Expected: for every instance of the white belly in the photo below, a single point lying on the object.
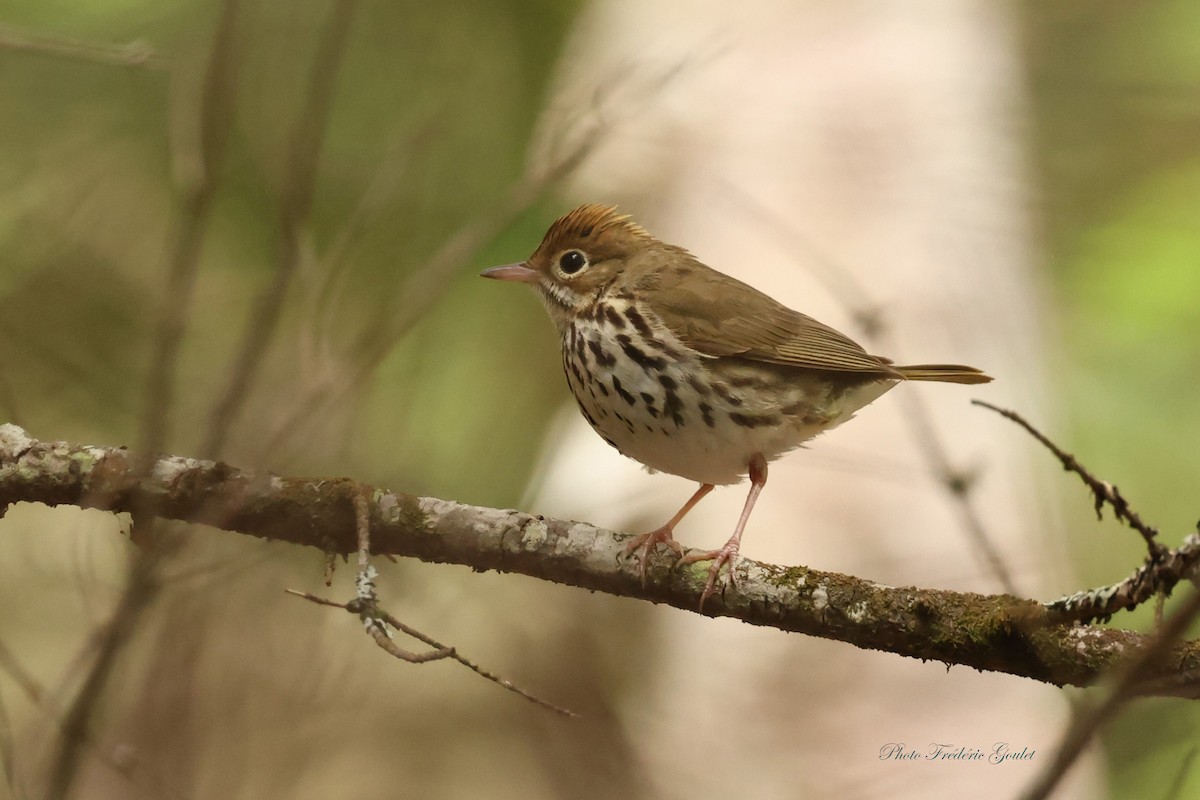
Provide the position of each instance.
(672, 414)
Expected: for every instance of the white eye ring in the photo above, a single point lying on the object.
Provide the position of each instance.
(572, 262)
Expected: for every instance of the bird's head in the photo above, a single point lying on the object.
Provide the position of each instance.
(580, 257)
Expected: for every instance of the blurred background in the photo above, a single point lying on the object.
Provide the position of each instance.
(253, 231)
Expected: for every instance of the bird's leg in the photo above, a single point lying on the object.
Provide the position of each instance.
(662, 535)
(728, 553)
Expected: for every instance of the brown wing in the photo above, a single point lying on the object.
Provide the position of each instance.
(721, 316)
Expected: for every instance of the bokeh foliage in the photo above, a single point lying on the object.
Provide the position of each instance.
(1116, 92)
(430, 124)
(434, 109)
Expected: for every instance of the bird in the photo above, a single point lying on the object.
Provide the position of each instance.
(690, 371)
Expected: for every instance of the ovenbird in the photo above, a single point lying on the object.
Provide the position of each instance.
(690, 371)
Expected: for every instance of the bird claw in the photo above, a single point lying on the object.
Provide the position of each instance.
(728, 554)
(644, 545)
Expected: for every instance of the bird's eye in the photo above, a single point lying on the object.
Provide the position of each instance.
(571, 262)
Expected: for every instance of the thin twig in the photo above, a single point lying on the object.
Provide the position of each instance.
(1155, 578)
(376, 621)
(438, 651)
(366, 601)
(137, 54)
(1103, 491)
(374, 627)
(1164, 567)
(298, 192)
(1125, 679)
(478, 670)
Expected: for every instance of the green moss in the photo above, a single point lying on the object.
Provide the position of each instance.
(401, 510)
(411, 516)
(83, 459)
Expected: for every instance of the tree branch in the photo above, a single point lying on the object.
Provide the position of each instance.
(987, 632)
(1103, 492)
(1163, 568)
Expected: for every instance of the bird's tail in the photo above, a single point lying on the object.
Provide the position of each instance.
(948, 373)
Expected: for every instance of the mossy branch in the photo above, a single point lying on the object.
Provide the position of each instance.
(1000, 633)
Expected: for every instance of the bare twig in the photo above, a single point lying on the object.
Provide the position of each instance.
(373, 624)
(297, 200)
(1156, 578)
(366, 601)
(137, 54)
(438, 651)
(1164, 567)
(1102, 491)
(868, 317)
(1125, 679)
(216, 116)
(376, 622)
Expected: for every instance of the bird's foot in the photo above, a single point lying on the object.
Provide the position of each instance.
(644, 545)
(728, 554)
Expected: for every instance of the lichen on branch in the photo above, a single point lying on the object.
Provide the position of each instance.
(987, 632)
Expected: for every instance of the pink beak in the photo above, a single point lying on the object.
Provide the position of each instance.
(511, 272)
